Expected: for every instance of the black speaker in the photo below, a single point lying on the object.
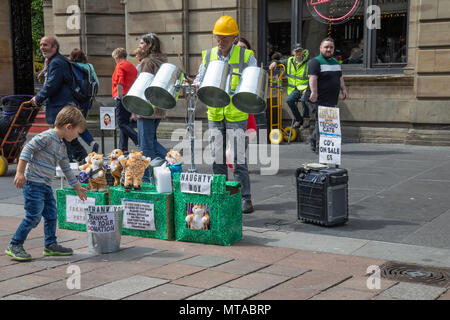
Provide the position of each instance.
(322, 195)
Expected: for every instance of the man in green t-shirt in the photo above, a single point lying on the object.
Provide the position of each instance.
(325, 82)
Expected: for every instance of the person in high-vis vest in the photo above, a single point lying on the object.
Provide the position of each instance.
(297, 75)
(229, 122)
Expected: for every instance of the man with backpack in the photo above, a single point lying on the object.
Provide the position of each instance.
(58, 90)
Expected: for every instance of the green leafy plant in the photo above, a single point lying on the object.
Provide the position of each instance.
(37, 26)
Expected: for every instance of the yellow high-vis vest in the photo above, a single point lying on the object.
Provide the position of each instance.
(296, 78)
(238, 61)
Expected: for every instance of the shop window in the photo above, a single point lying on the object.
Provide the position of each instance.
(390, 43)
(356, 46)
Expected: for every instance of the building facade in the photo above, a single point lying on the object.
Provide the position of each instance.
(397, 74)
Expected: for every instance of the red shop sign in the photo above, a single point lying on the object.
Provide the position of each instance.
(333, 11)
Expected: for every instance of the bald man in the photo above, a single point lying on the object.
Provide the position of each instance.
(56, 91)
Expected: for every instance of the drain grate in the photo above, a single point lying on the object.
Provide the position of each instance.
(432, 276)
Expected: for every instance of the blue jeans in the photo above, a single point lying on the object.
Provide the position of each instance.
(86, 135)
(292, 101)
(218, 142)
(39, 202)
(126, 129)
(148, 141)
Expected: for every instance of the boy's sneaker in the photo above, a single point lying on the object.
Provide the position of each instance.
(17, 252)
(57, 250)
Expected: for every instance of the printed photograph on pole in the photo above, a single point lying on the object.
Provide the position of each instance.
(330, 135)
(107, 118)
(138, 214)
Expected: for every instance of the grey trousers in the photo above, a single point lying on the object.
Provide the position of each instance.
(222, 132)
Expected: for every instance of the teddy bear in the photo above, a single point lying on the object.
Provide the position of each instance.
(134, 168)
(97, 173)
(199, 219)
(174, 163)
(115, 166)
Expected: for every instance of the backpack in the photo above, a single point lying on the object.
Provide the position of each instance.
(84, 87)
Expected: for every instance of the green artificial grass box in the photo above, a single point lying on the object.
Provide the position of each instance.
(147, 213)
(222, 206)
(71, 209)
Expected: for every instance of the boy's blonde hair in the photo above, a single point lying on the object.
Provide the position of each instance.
(119, 53)
(70, 115)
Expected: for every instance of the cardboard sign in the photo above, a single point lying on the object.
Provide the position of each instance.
(330, 135)
(196, 183)
(138, 214)
(101, 222)
(107, 118)
(75, 209)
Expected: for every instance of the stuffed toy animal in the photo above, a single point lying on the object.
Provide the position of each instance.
(88, 161)
(115, 166)
(199, 219)
(97, 173)
(174, 162)
(134, 167)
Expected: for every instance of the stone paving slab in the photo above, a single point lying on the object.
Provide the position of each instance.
(16, 297)
(22, 283)
(405, 253)
(164, 257)
(257, 281)
(167, 291)
(224, 293)
(413, 291)
(124, 287)
(173, 271)
(344, 294)
(206, 279)
(240, 267)
(205, 261)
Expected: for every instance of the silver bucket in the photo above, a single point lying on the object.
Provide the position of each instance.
(166, 86)
(135, 100)
(250, 95)
(103, 224)
(214, 89)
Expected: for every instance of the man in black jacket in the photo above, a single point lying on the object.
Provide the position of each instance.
(57, 91)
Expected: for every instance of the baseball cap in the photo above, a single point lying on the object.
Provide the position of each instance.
(297, 47)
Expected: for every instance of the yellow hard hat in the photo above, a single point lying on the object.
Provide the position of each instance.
(226, 26)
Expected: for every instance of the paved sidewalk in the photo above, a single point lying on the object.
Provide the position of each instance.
(156, 269)
(399, 211)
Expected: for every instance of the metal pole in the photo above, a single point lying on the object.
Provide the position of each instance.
(296, 22)
(262, 32)
(190, 93)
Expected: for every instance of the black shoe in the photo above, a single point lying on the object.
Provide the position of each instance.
(95, 147)
(247, 206)
(57, 250)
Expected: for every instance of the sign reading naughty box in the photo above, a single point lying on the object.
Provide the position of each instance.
(196, 183)
(138, 214)
(75, 209)
(330, 135)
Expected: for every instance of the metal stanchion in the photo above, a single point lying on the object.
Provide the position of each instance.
(191, 103)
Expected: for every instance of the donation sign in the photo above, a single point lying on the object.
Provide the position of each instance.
(138, 214)
(75, 209)
(100, 219)
(330, 135)
(107, 118)
(196, 183)
(333, 11)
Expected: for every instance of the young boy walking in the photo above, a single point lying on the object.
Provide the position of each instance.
(35, 171)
